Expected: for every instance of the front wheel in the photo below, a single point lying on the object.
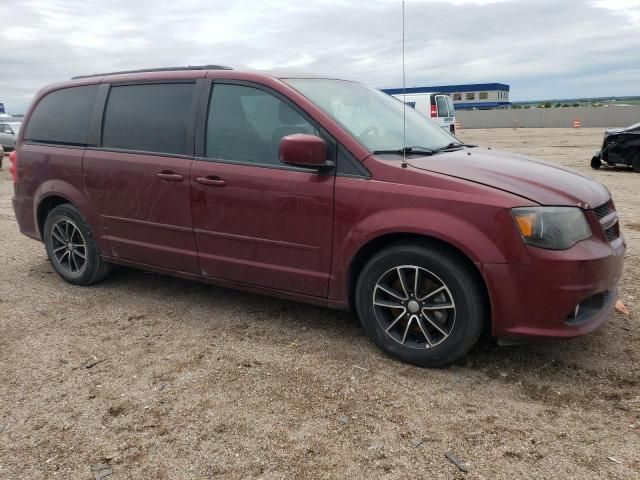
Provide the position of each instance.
(71, 248)
(596, 163)
(421, 304)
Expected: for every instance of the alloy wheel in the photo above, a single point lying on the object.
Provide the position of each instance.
(68, 246)
(414, 306)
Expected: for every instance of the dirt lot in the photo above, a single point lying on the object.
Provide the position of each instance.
(194, 381)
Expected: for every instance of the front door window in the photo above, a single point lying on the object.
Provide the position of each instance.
(246, 124)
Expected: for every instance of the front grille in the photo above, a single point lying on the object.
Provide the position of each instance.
(612, 232)
(610, 226)
(602, 210)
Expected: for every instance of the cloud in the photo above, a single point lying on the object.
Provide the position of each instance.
(544, 49)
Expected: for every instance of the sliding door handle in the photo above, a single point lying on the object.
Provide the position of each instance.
(170, 176)
(211, 181)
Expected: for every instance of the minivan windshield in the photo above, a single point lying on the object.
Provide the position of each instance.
(373, 117)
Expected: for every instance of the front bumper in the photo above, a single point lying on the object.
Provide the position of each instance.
(539, 300)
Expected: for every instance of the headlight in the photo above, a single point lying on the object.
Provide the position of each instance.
(554, 228)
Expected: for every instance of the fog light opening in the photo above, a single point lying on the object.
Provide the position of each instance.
(587, 309)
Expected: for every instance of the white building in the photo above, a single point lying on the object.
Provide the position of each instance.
(466, 97)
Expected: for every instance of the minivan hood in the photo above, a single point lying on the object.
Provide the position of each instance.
(532, 179)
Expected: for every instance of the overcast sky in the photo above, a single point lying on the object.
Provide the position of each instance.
(542, 48)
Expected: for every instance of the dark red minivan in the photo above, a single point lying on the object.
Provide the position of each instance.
(310, 189)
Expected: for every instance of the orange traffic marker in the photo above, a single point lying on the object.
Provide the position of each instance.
(622, 308)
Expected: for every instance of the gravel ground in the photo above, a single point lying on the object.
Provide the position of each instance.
(157, 377)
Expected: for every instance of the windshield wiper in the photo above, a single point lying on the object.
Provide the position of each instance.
(451, 146)
(416, 150)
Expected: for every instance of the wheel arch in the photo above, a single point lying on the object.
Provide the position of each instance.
(56, 192)
(381, 242)
(45, 205)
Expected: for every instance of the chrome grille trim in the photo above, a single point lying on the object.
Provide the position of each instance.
(608, 218)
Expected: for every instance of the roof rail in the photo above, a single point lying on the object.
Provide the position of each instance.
(161, 69)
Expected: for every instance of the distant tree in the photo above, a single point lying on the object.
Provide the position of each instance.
(575, 105)
(557, 105)
(547, 105)
(515, 106)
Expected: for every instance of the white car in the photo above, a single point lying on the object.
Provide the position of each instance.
(9, 133)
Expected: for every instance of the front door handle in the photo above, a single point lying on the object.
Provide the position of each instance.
(211, 181)
(170, 176)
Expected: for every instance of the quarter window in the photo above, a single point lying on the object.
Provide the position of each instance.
(148, 118)
(246, 124)
(63, 116)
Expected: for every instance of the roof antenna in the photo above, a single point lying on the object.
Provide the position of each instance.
(404, 101)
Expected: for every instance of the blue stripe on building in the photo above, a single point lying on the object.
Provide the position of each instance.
(449, 88)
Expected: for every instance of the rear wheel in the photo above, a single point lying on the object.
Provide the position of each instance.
(596, 163)
(420, 304)
(71, 248)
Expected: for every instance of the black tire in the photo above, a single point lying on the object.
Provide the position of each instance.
(434, 263)
(94, 268)
(635, 163)
(596, 163)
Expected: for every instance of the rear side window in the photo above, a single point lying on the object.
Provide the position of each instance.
(148, 118)
(452, 110)
(62, 117)
(246, 124)
(443, 106)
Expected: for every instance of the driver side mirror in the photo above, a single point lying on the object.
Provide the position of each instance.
(304, 150)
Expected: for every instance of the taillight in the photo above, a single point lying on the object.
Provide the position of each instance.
(13, 167)
(434, 111)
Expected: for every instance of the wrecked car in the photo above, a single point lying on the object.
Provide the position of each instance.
(621, 146)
